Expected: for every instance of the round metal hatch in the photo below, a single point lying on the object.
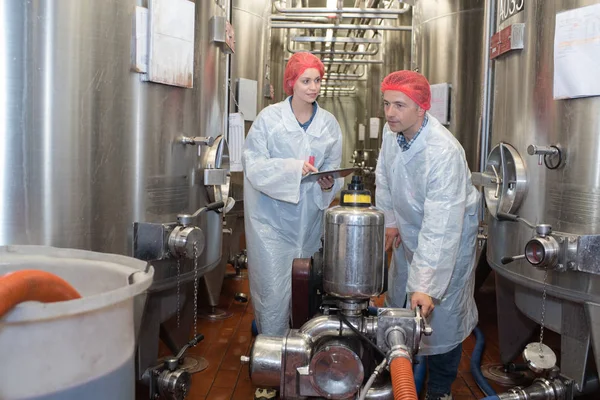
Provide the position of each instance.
(507, 180)
(217, 157)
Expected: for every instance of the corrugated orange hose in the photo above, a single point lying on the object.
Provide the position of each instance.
(403, 381)
(32, 285)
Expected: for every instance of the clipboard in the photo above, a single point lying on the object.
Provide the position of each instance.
(335, 173)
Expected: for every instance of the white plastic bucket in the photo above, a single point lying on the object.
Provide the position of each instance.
(78, 349)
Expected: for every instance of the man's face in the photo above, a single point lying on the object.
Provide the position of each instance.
(401, 112)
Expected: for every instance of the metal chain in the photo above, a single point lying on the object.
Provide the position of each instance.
(178, 290)
(543, 313)
(195, 289)
(233, 97)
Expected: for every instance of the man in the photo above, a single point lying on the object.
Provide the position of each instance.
(424, 188)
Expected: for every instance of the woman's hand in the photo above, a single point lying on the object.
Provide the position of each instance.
(326, 183)
(307, 168)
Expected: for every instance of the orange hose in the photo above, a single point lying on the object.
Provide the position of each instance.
(32, 285)
(403, 381)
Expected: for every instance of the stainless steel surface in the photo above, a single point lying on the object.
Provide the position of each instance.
(539, 357)
(325, 358)
(88, 148)
(525, 113)
(383, 391)
(174, 385)
(296, 353)
(266, 361)
(409, 321)
(182, 241)
(541, 389)
(504, 180)
(447, 48)
(353, 252)
(336, 370)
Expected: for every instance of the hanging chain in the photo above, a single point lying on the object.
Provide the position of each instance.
(233, 97)
(178, 290)
(543, 313)
(195, 289)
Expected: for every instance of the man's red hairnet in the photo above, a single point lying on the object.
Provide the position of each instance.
(298, 63)
(412, 84)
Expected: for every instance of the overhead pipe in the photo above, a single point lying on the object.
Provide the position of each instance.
(346, 61)
(345, 39)
(334, 52)
(342, 26)
(325, 10)
(337, 89)
(308, 15)
(300, 18)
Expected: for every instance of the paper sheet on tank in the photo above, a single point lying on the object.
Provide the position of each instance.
(577, 53)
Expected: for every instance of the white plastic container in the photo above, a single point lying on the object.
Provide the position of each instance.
(79, 349)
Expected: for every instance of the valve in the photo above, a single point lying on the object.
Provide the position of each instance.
(197, 140)
(551, 156)
(168, 380)
(182, 240)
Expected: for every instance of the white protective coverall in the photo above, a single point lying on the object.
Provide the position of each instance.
(282, 214)
(426, 193)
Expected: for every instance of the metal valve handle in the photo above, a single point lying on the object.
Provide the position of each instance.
(197, 140)
(187, 219)
(172, 363)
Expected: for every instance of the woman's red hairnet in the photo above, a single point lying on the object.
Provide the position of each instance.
(412, 84)
(298, 63)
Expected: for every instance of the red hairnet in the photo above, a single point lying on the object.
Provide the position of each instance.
(412, 84)
(298, 63)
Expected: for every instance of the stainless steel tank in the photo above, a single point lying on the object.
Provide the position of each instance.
(87, 148)
(562, 192)
(447, 48)
(250, 20)
(354, 249)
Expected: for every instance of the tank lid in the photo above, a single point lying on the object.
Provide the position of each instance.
(356, 195)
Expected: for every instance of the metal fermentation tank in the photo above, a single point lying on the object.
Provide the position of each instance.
(447, 48)
(562, 191)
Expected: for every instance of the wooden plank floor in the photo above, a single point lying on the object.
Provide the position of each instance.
(225, 341)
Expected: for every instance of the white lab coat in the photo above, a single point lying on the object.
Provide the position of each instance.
(282, 214)
(426, 193)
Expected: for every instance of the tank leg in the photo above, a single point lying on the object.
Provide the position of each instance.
(574, 342)
(514, 328)
(592, 312)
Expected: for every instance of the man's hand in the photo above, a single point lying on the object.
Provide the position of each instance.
(326, 183)
(392, 238)
(307, 168)
(423, 300)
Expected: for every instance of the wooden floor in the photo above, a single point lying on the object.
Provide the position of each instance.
(225, 341)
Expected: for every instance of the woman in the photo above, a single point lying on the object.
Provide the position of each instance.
(283, 215)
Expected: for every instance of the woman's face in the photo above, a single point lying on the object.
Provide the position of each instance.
(308, 85)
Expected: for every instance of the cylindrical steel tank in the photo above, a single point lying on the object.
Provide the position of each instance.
(87, 146)
(525, 113)
(447, 48)
(353, 261)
